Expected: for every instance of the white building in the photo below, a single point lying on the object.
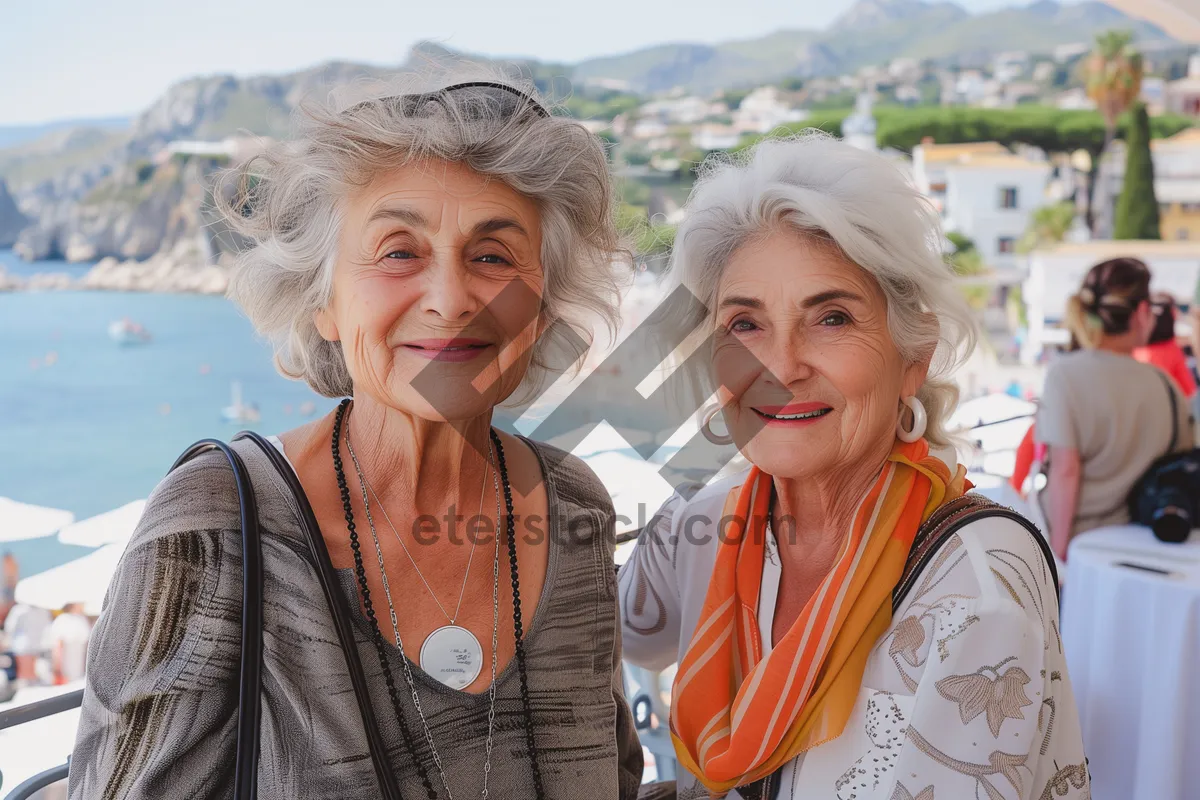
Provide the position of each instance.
(1075, 100)
(1183, 96)
(984, 192)
(715, 137)
(858, 129)
(1009, 66)
(686, 110)
(649, 129)
(763, 110)
(1057, 272)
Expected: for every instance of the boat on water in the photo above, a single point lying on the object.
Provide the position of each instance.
(125, 332)
(238, 411)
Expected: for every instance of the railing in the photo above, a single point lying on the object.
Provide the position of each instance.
(29, 713)
(645, 703)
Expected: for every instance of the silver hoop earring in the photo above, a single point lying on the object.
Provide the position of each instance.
(710, 413)
(920, 421)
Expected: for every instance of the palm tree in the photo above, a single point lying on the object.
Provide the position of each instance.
(1047, 225)
(1114, 80)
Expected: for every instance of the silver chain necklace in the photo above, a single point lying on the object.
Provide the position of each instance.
(452, 654)
(437, 759)
(475, 540)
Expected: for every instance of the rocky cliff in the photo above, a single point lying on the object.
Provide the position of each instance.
(12, 221)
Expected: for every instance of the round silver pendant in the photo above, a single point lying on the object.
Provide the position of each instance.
(452, 655)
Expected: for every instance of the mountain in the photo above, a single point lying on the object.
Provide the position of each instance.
(13, 135)
(871, 32)
(97, 190)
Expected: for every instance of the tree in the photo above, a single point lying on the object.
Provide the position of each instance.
(1137, 208)
(1047, 225)
(1114, 79)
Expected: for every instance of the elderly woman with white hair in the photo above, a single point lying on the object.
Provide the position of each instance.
(423, 254)
(846, 620)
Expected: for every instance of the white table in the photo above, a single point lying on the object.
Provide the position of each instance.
(1132, 640)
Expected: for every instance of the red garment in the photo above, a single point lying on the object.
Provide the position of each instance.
(1168, 356)
(1026, 453)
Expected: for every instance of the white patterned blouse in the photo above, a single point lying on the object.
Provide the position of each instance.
(965, 697)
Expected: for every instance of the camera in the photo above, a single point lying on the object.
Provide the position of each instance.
(1166, 500)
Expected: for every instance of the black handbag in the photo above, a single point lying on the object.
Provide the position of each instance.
(1165, 496)
(249, 715)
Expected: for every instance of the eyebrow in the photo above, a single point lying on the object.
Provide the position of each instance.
(808, 302)
(743, 302)
(832, 294)
(498, 224)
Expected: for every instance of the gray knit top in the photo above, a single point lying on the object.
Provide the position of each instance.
(160, 706)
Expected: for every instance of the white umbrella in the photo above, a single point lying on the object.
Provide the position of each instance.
(990, 408)
(107, 528)
(84, 580)
(636, 488)
(20, 521)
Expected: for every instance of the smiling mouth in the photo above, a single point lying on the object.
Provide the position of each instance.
(798, 417)
(449, 350)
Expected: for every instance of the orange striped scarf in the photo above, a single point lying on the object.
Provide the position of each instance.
(736, 716)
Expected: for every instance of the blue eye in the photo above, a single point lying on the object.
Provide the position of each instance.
(399, 255)
(491, 258)
(742, 326)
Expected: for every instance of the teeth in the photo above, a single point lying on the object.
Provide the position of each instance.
(808, 415)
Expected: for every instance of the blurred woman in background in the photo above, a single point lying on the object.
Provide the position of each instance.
(1163, 350)
(1104, 415)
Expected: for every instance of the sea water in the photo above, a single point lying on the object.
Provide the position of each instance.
(87, 424)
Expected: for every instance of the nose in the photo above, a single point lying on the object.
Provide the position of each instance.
(448, 292)
(786, 361)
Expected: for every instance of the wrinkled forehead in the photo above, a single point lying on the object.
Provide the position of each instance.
(785, 267)
(437, 197)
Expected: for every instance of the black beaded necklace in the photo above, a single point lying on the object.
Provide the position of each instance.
(377, 634)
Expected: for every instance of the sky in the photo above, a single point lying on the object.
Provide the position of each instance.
(70, 59)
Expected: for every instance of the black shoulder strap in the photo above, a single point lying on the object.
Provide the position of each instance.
(340, 613)
(249, 717)
(1174, 411)
(945, 523)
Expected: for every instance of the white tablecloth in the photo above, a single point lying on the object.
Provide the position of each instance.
(1132, 641)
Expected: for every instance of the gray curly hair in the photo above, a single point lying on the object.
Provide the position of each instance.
(862, 204)
(288, 200)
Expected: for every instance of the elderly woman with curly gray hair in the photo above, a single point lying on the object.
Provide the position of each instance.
(428, 628)
(848, 621)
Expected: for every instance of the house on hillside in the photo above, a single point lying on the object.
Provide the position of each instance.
(1183, 96)
(984, 192)
(714, 136)
(1055, 273)
(765, 109)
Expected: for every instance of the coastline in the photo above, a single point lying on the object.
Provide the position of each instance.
(162, 273)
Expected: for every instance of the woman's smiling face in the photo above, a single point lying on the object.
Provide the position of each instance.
(810, 376)
(437, 290)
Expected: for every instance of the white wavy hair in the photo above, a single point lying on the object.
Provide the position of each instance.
(859, 202)
(288, 203)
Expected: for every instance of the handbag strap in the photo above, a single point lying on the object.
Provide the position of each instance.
(340, 612)
(249, 716)
(947, 521)
(1174, 411)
